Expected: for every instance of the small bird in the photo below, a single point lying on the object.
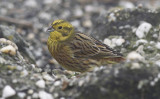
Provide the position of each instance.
(76, 51)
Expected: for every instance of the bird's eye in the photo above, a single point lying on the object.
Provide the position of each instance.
(60, 27)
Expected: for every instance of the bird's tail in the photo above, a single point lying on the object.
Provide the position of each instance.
(111, 60)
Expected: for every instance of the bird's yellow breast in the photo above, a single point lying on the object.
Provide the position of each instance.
(58, 50)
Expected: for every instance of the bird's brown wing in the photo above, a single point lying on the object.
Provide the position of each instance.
(84, 46)
(105, 50)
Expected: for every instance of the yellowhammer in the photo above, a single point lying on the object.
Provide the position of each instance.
(76, 51)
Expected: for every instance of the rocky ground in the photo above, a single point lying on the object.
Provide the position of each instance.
(28, 71)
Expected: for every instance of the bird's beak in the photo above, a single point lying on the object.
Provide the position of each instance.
(50, 29)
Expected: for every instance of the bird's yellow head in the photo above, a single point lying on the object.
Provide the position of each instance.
(61, 30)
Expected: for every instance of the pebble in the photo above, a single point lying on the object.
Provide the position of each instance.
(14, 80)
(81, 82)
(28, 97)
(45, 16)
(30, 91)
(57, 83)
(62, 97)
(140, 50)
(116, 72)
(89, 8)
(158, 45)
(78, 12)
(5, 41)
(9, 50)
(87, 23)
(75, 23)
(56, 2)
(48, 77)
(134, 55)
(48, 1)
(19, 68)
(8, 91)
(127, 4)
(35, 95)
(141, 41)
(143, 29)
(10, 6)
(21, 95)
(40, 62)
(40, 83)
(151, 42)
(114, 42)
(155, 35)
(3, 11)
(31, 3)
(31, 36)
(112, 17)
(141, 83)
(107, 42)
(135, 66)
(152, 83)
(2, 60)
(24, 73)
(44, 95)
(55, 94)
(65, 14)
(158, 75)
(38, 52)
(157, 63)
(119, 41)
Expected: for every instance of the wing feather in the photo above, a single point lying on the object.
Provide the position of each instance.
(84, 46)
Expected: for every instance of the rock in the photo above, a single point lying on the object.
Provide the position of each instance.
(9, 50)
(134, 55)
(8, 91)
(158, 45)
(40, 83)
(115, 41)
(35, 95)
(45, 95)
(75, 23)
(143, 29)
(57, 83)
(108, 42)
(47, 77)
(135, 66)
(111, 17)
(30, 91)
(106, 28)
(141, 41)
(5, 41)
(45, 16)
(119, 41)
(24, 73)
(78, 12)
(127, 4)
(157, 63)
(87, 23)
(11, 35)
(30, 3)
(91, 8)
(48, 1)
(21, 94)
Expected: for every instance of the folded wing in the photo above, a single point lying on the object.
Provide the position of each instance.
(84, 46)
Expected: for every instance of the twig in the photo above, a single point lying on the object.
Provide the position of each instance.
(21, 23)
